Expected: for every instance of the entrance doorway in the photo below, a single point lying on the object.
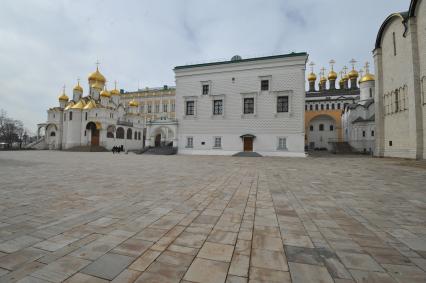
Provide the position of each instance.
(94, 133)
(248, 143)
(158, 140)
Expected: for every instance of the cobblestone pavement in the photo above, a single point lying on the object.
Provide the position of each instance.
(98, 217)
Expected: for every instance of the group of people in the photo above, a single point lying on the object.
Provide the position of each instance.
(117, 149)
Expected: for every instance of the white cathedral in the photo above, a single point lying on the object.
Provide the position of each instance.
(98, 119)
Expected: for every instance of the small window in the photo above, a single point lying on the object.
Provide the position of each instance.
(282, 104)
(164, 107)
(85, 116)
(129, 134)
(310, 107)
(136, 136)
(311, 128)
(149, 108)
(322, 106)
(218, 107)
(306, 107)
(327, 106)
(217, 142)
(316, 106)
(371, 93)
(332, 106)
(363, 133)
(52, 134)
(248, 105)
(264, 85)
(394, 43)
(70, 116)
(190, 108)
(206, 89)
(372, 133)
(390, 143)
(321, 127)
(157, 108)
(189, 142)
(331, 128)
(173, 107)
(282, 143)
(338, 106)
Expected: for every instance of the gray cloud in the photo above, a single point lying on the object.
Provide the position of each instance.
(45, 44)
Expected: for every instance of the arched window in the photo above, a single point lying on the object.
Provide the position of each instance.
(110, 131)
(136, 136)
(332, 106)
(322, 106)
(310, 107)
(316, 106)
(311, 128)
(52, 134)
(120, 133)
(129, 134)
(327, 106)
(321, 127)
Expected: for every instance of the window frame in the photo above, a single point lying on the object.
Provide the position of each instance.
(220, 107)
(279, 147)
(189, 144)
(282, 109)
(208, 84)
(185, 106)
(215, 144)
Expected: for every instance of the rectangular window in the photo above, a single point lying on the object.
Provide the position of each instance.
(149, 108)
(316, 106)
(189, 142)
(165, 107)
(264, 85)
(248, 105)
(173, 107)
(322, 106)
(70, 116)
(372, 133)
(310, 107)
(394, 43)
(363, 133)
(311, 128)
(331, 128)
(85, 116)
(157, 108)
(338, 105)
(190, 108)
(321, 127)
(327, 106)
(217, 142)
(217, 107)
(206, 89)
(282, 143)
(332, 106)
(282, 104)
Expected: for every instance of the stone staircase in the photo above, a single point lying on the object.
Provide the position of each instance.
(38, 144)
(247, 154)
(162, 150)
(88, 148)
(341, 148)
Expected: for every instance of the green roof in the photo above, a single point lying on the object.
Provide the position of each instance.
(293, 54)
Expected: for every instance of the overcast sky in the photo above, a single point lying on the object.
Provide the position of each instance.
(45, 44)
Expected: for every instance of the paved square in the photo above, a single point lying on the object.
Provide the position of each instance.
(98, 217)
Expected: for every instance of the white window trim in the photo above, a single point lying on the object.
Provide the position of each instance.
(209, 83)
(278, 144)
(190, 98)
(264, 78)
(288, 93)
(212, 99)
(249, 95)
(214, 142)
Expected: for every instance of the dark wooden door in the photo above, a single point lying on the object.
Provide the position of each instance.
(248, 144)
(158, 140)
(95, 137)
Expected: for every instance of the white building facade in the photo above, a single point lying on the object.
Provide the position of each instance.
(400, 101)
(251, 105)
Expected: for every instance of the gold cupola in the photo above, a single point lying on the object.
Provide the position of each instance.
(332, 75)
(63, 96)
(312, 77)
(353, 74)
(367, 77)
(96, 76)
(78, 87)
(115, 91)
(105, 93)
(133, 103)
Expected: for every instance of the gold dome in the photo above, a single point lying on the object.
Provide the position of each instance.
(332, 75)
(97, 85)
(353, 74)
(367, 78)
(63, 97)
(133, 103)
(78, 87)
(96, 76)
(115, 92)
(105, 93)
(323, 79)
(312, 77)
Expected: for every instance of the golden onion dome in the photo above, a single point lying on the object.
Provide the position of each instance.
(63, 97)
(105, 93)
(97, 85)
(332, 75)
(312, 77)
(367, 78)
(323, 79)
(353, 74)
(78, 87)
(133, 103)
(97, 76)
(115, 92)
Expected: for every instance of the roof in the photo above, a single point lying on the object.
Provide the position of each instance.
(293, 54)
(403, 16)
(413, 6)
(360, 120)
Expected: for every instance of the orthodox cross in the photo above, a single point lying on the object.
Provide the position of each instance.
(367, 67)
(322, 71)
(312, 64)
(332, 62)
(345, 69)
(353, 62)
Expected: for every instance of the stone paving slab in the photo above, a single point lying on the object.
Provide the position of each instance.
(98, 217)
